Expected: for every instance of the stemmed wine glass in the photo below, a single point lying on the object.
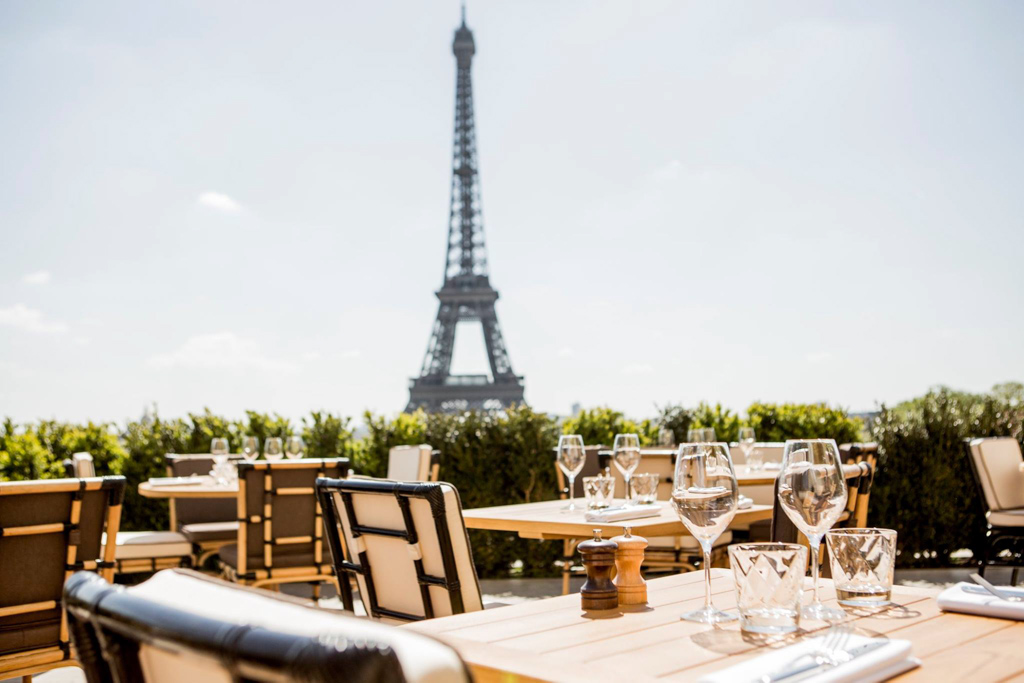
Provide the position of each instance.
(250, 448)
(705, 497)
(273, 448)
(746, 440)
(709, 435)
(626, 453)
(812, 493)
(571, 456)
(219, 450)
(294, 448)
(694, 435)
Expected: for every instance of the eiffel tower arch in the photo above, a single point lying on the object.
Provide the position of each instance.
(467, 294)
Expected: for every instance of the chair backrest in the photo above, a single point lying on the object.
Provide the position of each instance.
(280, 526)
(859, 477)
(48, 529)
(183, 626)
(198, 510)
(996, 463)
(414, 463)
(406, 543)
(84, 466)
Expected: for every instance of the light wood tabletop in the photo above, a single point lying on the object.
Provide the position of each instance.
(205, 487)
(554, 640)
(547, 520)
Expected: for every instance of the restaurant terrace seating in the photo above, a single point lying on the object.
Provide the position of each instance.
(48, 530)
(140, 551)
(184, 626)
(999, 472)
(207, 523)
(280, 530)
(414, 463)
(407, 545)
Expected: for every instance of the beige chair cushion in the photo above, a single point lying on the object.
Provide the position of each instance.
(998, 461)
(160, 665)
(391, 559)
(1007, 517)
(423, 659)
(84, 466)
(200, 532)
(409, 463)
(143, 545)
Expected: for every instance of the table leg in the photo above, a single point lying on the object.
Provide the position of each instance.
(568, 556)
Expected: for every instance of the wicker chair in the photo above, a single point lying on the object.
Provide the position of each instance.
(139, 551)
(280, 529)
(181, 625)
(998, 469)
(49, 529)
(207, 523)
(414, 463)
(406, 544)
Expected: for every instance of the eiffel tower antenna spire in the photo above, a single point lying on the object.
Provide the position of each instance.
(466, 293)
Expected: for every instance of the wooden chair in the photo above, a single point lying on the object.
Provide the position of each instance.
(48, 530)
(207, 523)
(140, 551)
(280, 530)
(406, 544)
(998, 469)
(414, 463)
(181, 625)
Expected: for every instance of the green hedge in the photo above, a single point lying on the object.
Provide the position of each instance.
(493, 459)
(924, 487)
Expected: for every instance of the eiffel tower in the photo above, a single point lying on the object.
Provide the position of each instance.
(467, 293)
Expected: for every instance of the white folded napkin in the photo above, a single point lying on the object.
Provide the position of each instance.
(744, 502)
(889, 659)
(773, 466)
(174, 481)
(972, 599)
(617, 514)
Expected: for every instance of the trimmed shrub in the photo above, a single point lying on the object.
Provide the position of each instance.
(599, 426)
(725, 422)
(781, 421)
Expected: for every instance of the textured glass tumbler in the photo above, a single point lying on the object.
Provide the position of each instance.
(769, 578)
(863, 561)
(599, 491)
(645, 488)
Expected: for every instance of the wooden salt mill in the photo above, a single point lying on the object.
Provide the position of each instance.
(598, 592)
(628, 558)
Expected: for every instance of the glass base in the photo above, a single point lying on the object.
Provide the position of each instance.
(572, 507)
(820, 612)
(709, 615)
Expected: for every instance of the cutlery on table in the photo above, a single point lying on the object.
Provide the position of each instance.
(999, 593)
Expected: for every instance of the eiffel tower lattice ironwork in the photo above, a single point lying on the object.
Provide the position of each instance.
(467, 293)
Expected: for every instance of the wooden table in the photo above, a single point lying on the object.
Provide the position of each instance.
(546, 520)
(204, 488)
(553, 640)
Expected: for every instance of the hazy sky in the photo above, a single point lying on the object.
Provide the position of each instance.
(244, 204)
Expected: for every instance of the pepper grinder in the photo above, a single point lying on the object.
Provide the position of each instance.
(598, 592)
(628, 558)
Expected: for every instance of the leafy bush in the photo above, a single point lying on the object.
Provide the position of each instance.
(677, 420)
(326, 435)
(725, 423)
(22, 456)
(599, 426)
(924, 487)
(781, 421)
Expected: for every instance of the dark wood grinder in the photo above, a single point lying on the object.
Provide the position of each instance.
(598, 592)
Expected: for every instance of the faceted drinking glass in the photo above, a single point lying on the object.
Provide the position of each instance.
(705, 497)
(645, 488)
(599, 491)
(812, 493)
(572, 455)
(626, 454)
(863, 561)
(769, 578)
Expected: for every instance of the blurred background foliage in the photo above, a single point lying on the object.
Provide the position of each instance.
(923, 483)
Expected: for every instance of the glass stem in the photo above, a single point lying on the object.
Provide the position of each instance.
(815, 543)
(572, 491)
(629, 496)
(707, 577)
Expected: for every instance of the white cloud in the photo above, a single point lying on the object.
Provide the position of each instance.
(351, 353)
(220, 351)
(219, 201)
(818, 357)
(21, 317)
(40, 277)
(638, 369)
(565, 352)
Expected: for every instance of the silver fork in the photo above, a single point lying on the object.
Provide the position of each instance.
(831, 652)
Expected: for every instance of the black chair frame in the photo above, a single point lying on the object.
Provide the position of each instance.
(403, 492)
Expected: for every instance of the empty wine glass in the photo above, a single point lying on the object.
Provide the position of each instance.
(219, 450)
(250, 448)
(273, 448)
(294, 448)
(626, 453)
(695, 435)
(746, 440)
(571, 456)
(812, 493)
(666, 437)
(709, 435)
(705, 496)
